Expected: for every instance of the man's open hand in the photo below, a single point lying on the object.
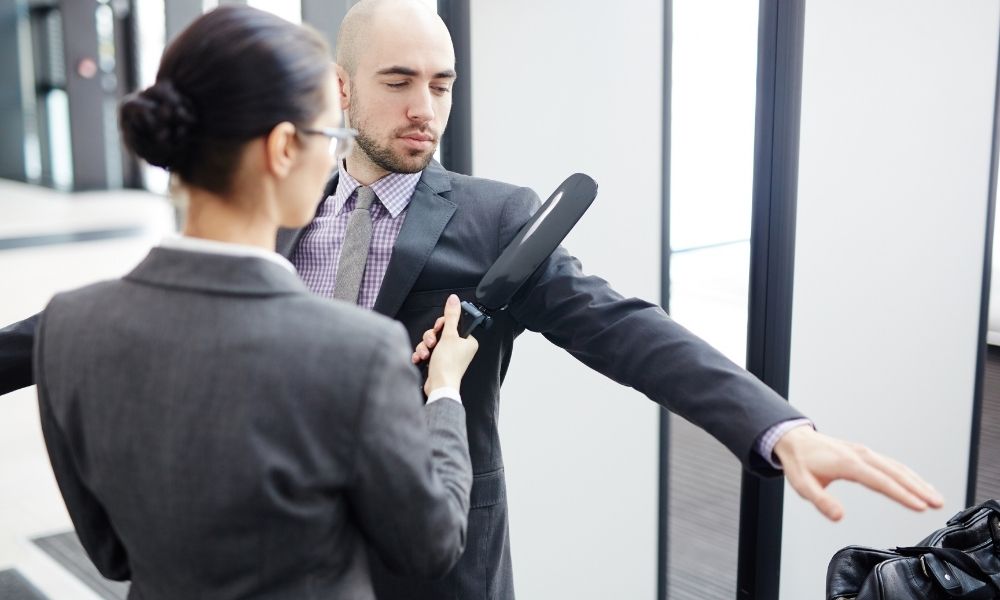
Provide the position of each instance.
(812, 461)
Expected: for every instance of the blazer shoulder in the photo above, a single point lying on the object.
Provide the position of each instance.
(93, 292)
(70, 317)
(478, 189)
(90, 299)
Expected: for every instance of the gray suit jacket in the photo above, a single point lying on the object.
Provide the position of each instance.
(455, 228)
(219, 432)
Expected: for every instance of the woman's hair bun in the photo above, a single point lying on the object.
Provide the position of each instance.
(158, 124)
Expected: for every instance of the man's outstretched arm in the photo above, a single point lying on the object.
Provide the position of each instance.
(635, 343)
(16, 343)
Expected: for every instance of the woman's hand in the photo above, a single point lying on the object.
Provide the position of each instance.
(452, 353)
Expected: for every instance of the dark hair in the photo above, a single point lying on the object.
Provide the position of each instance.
(230, 77)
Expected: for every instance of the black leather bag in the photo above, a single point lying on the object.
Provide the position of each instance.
(958, 562)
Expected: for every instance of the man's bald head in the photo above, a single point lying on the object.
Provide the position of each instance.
(396, 69)
(368, 18)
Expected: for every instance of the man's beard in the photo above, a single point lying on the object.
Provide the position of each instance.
(383, 156)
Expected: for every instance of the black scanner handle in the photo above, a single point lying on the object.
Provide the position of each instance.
(472, 318)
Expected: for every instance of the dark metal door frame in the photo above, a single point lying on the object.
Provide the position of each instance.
(456, 143)
(772, 261)
(984, 309)
(663, 501)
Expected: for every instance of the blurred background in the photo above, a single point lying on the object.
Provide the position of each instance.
(878, 176)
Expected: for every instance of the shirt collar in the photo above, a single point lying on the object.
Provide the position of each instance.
(394, 190)
(192, 244)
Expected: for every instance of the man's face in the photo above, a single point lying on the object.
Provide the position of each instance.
(399, 98)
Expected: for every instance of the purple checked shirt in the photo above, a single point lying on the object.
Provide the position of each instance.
(318, 252)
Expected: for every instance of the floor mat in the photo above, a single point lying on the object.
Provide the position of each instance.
(66, 550)
(13, 586)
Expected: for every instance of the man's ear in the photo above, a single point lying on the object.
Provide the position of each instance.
(343, 87)
(281, 149)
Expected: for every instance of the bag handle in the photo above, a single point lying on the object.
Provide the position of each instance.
(964, 514)
(958, 559)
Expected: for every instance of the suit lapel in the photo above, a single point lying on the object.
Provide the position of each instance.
(288, 239)
(426, 217)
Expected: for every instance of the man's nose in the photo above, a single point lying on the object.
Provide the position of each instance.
(421, 107)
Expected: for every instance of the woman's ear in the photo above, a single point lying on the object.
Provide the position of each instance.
(281, 148)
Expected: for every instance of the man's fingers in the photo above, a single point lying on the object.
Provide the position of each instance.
(452, 313)
(439, 324)
(803, 482)
(904, 476)
(875, 479)
(931, 495)
(430, 338)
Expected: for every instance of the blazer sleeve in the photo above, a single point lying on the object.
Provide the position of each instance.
(413, 473)
(16, 342)
(635, 343)
(97, 534)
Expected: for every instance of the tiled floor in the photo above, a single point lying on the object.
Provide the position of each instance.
(13, 586)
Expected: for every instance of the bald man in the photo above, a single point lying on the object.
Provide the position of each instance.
(434, 232)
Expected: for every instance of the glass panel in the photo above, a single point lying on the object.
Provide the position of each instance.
(57, 109)
(150, 18)
(987, 475)
(714, 72)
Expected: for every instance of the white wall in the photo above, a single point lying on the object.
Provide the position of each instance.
(558, 87)
(897, 120)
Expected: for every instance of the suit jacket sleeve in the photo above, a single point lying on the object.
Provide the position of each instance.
(636, 344)
(16, 342)
(97, 534)
(413, 472)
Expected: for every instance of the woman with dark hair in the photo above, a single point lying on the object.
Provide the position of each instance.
(216, 430)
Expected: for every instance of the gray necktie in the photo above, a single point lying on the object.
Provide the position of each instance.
(354, 253)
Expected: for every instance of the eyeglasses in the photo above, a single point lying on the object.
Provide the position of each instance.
(341, 139)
